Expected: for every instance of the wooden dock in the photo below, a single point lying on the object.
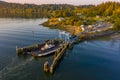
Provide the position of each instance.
(58, 55)
(24, 50)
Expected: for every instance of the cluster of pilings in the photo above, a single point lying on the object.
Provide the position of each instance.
(58, 55)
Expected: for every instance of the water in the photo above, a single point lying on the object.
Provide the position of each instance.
(94, 60)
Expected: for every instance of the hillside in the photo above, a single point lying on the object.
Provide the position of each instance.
(34, 11)
(108, 11)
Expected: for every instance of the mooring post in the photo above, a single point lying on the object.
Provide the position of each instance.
(51, 69)
(17, 51)
(46, 66)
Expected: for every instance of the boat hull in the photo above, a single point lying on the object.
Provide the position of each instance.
(40, 54)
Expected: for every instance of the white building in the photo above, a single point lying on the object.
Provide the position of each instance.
(61, 19)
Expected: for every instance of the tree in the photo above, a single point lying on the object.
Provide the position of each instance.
(78, 23)
(117, 25)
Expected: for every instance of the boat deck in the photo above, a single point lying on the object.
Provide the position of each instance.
(45, 52)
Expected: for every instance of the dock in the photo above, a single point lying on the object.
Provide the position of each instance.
(27, 49)
(57, 56)
(63, 44)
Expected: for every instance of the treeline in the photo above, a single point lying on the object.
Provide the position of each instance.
(58, 10)
(34, 11)
(37, 11)
(105, 9)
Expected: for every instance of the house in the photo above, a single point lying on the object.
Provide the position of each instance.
(97, 16)
(82, 27)
(61, 19)
(90, 26)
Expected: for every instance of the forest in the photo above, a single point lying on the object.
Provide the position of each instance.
(30, 10)
(109, 10)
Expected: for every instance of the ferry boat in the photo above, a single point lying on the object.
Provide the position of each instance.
(46, 49)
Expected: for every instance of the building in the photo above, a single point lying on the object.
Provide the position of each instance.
(61, 19)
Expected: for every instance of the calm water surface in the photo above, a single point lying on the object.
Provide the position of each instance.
(94, 60)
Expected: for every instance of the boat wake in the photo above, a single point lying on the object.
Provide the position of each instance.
(10, 69)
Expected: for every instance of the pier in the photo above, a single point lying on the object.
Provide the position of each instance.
(25, 50)
(57, 46)
(57, 56)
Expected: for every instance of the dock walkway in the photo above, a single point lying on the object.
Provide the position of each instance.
(58, 56)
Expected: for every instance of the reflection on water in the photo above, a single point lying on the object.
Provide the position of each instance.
(91, 60)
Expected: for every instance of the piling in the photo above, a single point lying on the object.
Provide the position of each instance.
(46, 66)
(51, 69)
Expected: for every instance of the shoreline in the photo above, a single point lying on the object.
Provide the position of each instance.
(116, 36)
(46, 24)
(73, 30)
(87, 36)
